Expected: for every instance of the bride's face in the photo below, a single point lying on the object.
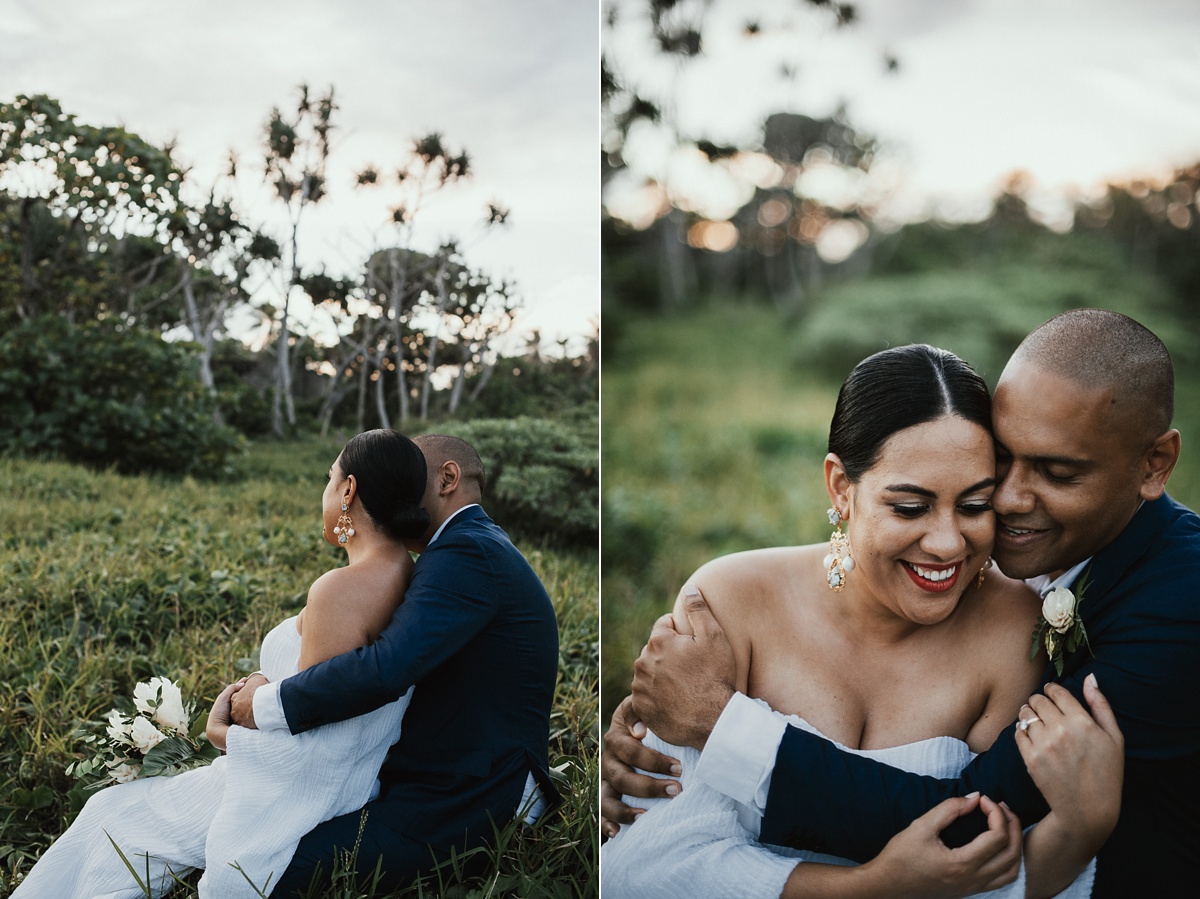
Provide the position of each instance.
(921, 524)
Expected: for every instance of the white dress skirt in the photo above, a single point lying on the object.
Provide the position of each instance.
(699, 845)
(239, 818)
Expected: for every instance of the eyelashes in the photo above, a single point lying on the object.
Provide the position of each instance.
(916, 510)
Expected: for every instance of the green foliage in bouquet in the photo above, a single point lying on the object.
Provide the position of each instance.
(154, 740)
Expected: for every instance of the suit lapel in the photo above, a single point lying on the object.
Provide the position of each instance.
(1116, 561)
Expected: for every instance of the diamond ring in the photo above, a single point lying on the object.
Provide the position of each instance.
(1024, 723)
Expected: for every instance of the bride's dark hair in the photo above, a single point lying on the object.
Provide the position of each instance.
(896, 389)
(390, 471)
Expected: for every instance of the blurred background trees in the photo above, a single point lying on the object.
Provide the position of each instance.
(747, 270)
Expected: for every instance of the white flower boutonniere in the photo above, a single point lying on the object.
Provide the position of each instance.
(1060, 629)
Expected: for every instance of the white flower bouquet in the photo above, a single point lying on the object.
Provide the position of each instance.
(154, 740)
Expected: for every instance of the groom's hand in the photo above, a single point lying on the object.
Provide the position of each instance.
(682, 682)
(242, 705)
(623, 752)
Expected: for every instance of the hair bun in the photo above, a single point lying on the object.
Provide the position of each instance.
(410, 521)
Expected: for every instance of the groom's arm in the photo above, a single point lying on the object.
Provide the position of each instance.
(450, 600)
(682, 690)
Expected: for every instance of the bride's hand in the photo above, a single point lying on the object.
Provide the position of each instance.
(220, 717)
(1077, 760)
(917, 863)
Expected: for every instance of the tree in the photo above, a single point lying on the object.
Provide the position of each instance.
(766, 212)
(398, 275)
(297, 153)
(69, 189)
(215, 251)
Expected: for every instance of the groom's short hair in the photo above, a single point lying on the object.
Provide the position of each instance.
(1101, 349)
(439, 448)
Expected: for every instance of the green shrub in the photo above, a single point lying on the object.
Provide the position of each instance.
(105, 395)
(543, 476)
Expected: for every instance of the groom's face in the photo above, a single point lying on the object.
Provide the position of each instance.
(1068, 471)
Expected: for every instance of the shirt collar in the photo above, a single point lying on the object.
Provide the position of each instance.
(1043, 584)
(438, 532)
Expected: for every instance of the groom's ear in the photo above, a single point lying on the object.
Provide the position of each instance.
(1158, 463)
(448, 477)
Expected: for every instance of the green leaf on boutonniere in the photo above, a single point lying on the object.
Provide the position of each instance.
(1059, 629)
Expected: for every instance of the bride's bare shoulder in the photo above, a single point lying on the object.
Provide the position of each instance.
(746, 583)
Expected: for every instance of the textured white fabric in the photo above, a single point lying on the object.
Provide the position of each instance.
(695, 847)
(249, 808)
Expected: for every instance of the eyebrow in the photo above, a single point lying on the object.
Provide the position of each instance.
(924, 491)
(1050, 460)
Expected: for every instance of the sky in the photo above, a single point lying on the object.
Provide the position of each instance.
(1073, 92)
(513, 83)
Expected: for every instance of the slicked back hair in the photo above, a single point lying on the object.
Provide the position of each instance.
(1104, 350)
(439, 448)
(897, 389)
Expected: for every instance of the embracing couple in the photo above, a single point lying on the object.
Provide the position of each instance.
(400, 717)
(875, 701)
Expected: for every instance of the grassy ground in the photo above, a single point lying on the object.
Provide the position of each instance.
(106, 580)
(713, 438)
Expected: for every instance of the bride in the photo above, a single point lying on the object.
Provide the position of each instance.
(893, 641)
(241, 818)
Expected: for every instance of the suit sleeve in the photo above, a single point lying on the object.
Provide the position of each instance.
(822, 798)
(450, 600)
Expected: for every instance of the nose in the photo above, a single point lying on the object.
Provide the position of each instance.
(1012, 495)
(944, 540)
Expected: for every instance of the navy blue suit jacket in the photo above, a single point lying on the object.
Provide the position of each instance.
(1142, 614)
(477, 635)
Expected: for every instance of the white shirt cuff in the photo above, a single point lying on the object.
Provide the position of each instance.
(268, 708)
(739, 756)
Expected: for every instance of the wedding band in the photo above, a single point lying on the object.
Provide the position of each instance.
(1024, 723)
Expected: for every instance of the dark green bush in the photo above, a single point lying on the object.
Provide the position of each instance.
(543, 475)
(104, 395)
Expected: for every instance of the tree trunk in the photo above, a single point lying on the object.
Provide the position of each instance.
(431, 364)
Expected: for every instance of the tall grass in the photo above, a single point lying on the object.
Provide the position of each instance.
(106, 580)
(713, 441)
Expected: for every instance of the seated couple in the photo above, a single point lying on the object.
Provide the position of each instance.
(875, 701)
(419, 694)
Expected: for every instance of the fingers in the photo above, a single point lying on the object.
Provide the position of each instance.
(613, 811)
(1004, 864)
(947, 812)
(664, 627)
(699, 615)
(1101, 710)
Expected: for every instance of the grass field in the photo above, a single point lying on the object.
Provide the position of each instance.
(713, 439)
(106, 580)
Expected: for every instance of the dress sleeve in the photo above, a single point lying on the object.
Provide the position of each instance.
(691, 845)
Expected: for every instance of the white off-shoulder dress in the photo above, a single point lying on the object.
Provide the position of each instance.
(247, 810)
(698, 845)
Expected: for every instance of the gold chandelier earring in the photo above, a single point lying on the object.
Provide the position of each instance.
(979, 579)
(838, 562)
(344, 527)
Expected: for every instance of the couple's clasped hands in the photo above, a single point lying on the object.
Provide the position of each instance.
(683, 681)
(233, 706)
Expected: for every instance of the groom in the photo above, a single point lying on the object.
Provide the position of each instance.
(477, 636)
(1082, 418)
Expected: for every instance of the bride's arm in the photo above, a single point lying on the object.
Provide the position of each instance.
(916, 864)
(1077, 761)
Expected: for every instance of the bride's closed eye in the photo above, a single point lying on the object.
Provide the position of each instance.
(975, 507)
